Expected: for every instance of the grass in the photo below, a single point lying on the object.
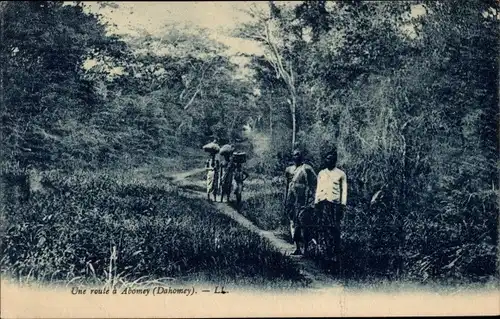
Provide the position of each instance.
(262, 200)
(198, 177)
(265, 211)
(117, 228)
(263, 205)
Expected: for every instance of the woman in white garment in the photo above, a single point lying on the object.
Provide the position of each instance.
(212, 167)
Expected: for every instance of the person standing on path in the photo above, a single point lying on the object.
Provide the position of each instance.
(300, 186)
(331, 199)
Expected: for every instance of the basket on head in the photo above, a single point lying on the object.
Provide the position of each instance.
(240, 157)
(226, 150)
(211, 148)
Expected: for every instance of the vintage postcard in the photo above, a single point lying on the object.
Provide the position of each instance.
(249, 159)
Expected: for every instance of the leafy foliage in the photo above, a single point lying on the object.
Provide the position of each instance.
(44, 45)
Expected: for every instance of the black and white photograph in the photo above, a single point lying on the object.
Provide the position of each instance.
(249, 158)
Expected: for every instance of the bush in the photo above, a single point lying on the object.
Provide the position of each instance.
(381, 242)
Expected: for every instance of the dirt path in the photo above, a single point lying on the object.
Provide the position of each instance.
(317, 279)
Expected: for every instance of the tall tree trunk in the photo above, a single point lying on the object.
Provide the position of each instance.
(293, 108)
(280, 66)
(271, 120)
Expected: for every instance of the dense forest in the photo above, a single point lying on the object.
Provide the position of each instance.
(406, 91)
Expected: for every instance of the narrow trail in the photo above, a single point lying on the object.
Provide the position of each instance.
(315, 277)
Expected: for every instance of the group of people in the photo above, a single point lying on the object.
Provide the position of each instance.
(222, 174)
(314, 203)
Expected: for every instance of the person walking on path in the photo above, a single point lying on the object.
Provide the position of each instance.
(330, 201)
(212, 167)
(239, 177)
(300, 186)
(226, 176)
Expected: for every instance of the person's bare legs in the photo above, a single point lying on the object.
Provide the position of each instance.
(294, 229)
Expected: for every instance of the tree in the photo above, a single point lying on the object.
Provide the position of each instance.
(267, 30)
(188, 78)
(43, 47)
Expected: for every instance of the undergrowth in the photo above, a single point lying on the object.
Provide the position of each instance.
(108, 229)
(384, 245)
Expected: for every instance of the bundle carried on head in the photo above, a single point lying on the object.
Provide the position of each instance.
(211, 147)
(240, 157)
(226, 150)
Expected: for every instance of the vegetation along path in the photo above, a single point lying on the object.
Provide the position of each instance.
(316, 278)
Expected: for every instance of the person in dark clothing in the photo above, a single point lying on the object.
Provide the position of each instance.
(300, 186)
(239, 177)
(226, 176)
